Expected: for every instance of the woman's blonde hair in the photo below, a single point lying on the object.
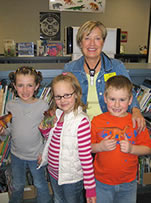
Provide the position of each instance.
(71, 79)
(87, 28)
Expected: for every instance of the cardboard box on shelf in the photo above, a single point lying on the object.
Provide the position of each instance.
(147, 178)
(50, 188)
(30, 192)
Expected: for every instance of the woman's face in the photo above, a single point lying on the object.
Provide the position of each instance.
(92, 44)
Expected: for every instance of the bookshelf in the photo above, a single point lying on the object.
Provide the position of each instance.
(133, 58)
(51, 68)
(137, 71)
(35, 59)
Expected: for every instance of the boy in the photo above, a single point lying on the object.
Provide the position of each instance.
(117, 145)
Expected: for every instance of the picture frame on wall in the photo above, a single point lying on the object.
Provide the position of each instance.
(97, 6)
(50, 26)
(124, 36)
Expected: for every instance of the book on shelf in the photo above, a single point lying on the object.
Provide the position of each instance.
(143, 94)
(148, 109)
(26, 49)
(49, 48)
(5, 151)
(147, 104)
(5, 95)
(137, 89)
(1, 146)
(4, 145)
(54, 49)
(143, 90)
(5, 142)
(144, 100)
(45, 94)
(1, 99)
(49, 98)
(147, 82)
(144, 170)
(5, 92)
(9, 47)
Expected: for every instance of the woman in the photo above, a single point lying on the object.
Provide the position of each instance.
(95, 67)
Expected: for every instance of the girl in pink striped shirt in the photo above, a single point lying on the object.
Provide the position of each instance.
(68, 147)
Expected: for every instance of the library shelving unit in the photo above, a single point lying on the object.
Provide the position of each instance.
(52, 66)
(49, 66)
(36, 59)
(129, 58)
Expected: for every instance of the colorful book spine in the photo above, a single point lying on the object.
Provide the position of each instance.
(4, 98)
(5, 143)
(25, 49)
(1, 99)
(1, 147)
(6, 148)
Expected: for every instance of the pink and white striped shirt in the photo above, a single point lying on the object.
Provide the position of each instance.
(84, 148)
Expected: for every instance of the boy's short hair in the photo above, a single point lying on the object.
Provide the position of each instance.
(119, 82)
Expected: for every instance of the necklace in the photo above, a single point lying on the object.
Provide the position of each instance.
(92, 71)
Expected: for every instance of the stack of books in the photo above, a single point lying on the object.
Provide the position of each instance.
(26, 49)
(143, 94)
(144, 170)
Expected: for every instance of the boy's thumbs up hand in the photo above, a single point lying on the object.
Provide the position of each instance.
(125, 145)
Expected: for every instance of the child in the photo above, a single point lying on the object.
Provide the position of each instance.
(117, 145)
(26, 140)
(68, 148)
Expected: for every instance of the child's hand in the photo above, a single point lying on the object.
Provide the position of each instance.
(39, 159)
(91, 200)
(138, 119)
(125, 145)
(41, 126)
(48, 121)
(108, 144)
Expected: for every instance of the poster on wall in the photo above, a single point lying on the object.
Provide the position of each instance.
(78, 5)
(124, 36)
(50, 26)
